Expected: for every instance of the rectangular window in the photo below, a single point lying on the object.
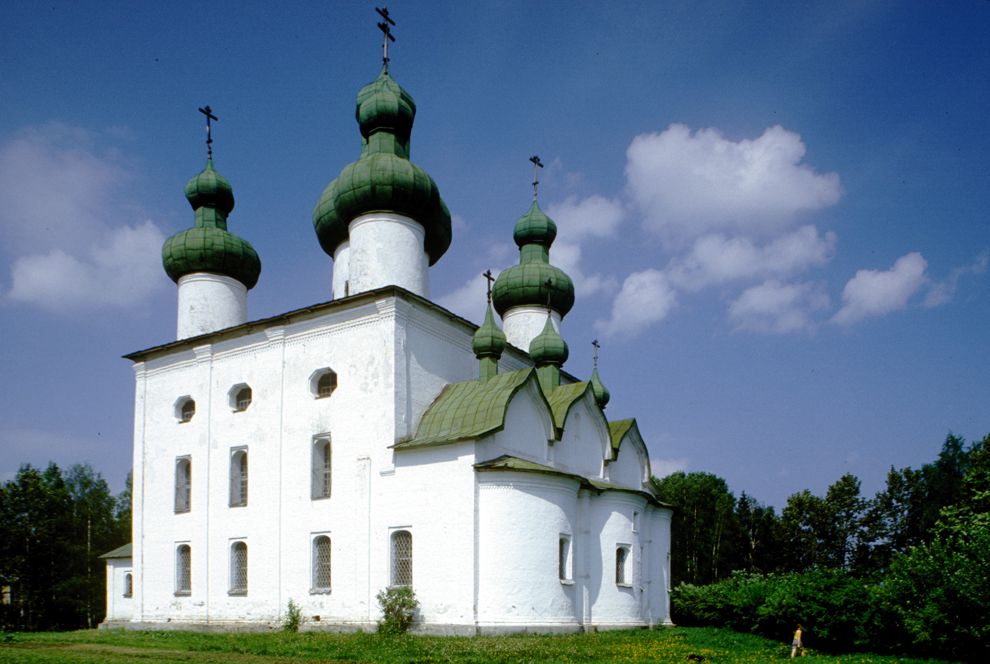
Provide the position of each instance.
(564, 557)
(321, 466)
(623, 565)
(402, 560)
(238, 568)
(183, 484)
(183, 569)
(238, 476)
(321, 564)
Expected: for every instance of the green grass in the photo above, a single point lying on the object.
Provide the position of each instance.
(663, 645)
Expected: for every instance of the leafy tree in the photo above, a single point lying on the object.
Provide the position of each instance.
(757, 537)
(801, 522)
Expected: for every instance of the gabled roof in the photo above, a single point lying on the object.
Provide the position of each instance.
(468, 410)
(562, 398)
(509, 463)
(617, 430)
(124, 551)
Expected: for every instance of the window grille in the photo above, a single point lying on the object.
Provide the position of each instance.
(243, 398)
(238, 568)
(238, 478)
(188, 410)
(321, 468)
(402, 558)
(563, 558)
(321, 563)
(622, 565)
(128, 585)
(183, 484)
(326, 384)
(183, 570)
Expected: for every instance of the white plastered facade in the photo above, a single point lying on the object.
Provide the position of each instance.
(485, 541)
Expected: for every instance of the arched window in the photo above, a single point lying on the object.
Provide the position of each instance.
(183, 569)
(321, 564)
(238, 568)
(622, 567)
(402, 560)
(323, 382)
(564, 557)
(238, 477)
(321, 467)
(128, 585)
(183, 484)
(240, 397)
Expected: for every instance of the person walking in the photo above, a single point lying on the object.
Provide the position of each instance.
(797, 642)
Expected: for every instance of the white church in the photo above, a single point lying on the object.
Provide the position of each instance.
(377, 439)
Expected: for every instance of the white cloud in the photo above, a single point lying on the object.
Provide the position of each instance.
(689, 184)
(663, 467)
(469, 300)
(876, 292)
(717, 259)
(120, 274)
(942, 292)
(645, 298)
(567, 256)
(775, 307)
(594, 216)
(72, 242)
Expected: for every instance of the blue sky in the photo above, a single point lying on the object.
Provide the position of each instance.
(775, 214)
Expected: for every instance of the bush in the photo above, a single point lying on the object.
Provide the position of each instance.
(293, 617)
(398, 604)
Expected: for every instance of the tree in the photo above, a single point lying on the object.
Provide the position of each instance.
(703, 516)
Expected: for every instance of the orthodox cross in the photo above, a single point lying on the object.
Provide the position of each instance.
(489, 278)
(597, 346)
(208, 112)
(549, 284)
(385, 27)
(537, 164)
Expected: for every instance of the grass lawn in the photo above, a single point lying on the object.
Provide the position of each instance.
(675, 644)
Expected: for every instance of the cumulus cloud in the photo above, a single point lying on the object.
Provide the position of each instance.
(689, 184)
(646, 298)
(942, 292)
(72, 242)
(567, 256)
(716, 259)
(594, 216)
(779, 308)
(879, 292)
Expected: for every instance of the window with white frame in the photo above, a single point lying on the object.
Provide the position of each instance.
(238, 477)
(402, 558)
(183, 484)
(239, 397)
(623, 565)
(321, 564)
(323, 382)
(238, 568)
(320, 467)
(185, 408)
(564, 555)
(183, 569)
(128, 585)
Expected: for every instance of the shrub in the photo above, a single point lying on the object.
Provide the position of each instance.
(398, 604)
(293, 617)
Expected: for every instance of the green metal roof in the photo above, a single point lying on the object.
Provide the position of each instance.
(617, 430)
(562, 398)
(383, 179)
(209, 246)
(488, 340)
(534, 227)
(548, 347)
(468, 410)
(124, 551)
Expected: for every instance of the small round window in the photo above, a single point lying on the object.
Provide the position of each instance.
(323, 383)
(240, 397)
(185, 408)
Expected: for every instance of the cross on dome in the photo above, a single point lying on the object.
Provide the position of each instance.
(385, 27)
(537, 164)
(489, 278)
(208, 112)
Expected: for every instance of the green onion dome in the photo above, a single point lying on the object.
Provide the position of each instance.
(548, 347)
(488, 340)
(383, 179)
(525, 284)
(208, 246)
(598, 388)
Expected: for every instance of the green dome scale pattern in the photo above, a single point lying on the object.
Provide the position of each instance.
(209, 246)
(383, 179)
